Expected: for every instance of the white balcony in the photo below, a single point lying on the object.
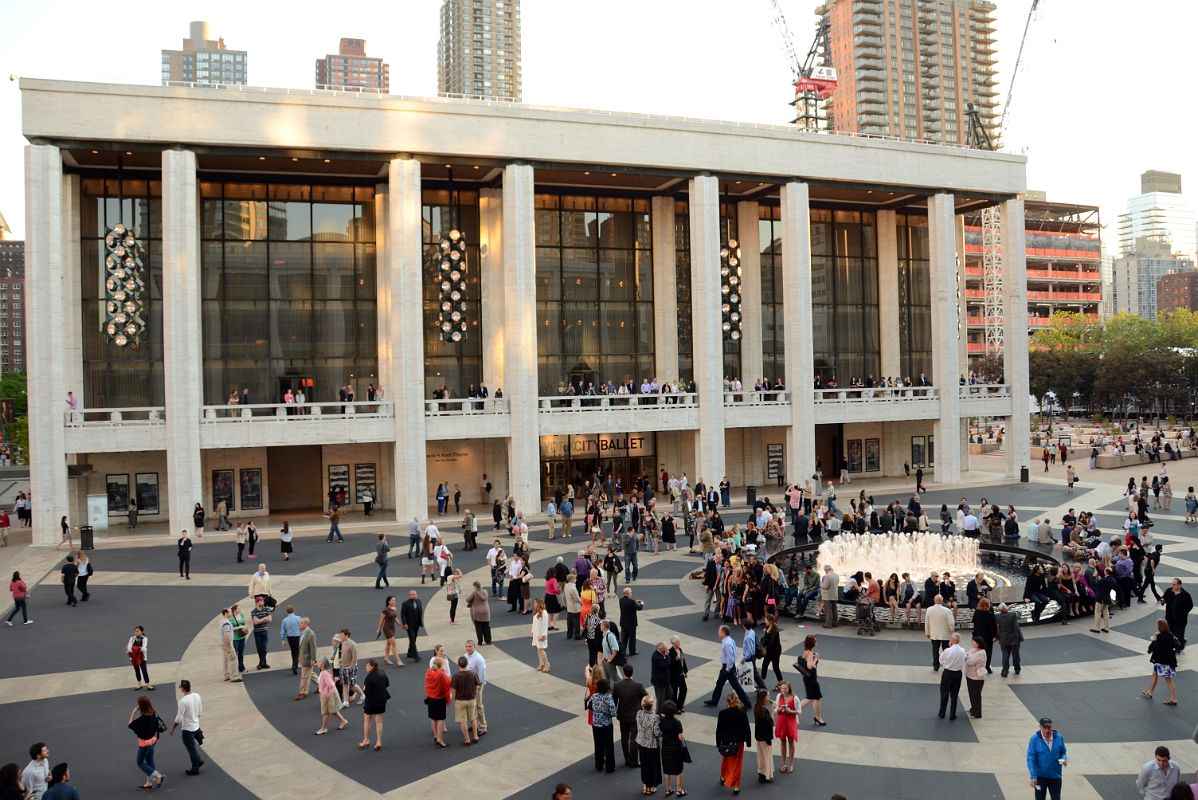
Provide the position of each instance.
(986, 400)
(755, 409)
(273, 424)
(466, 418)
(628, 412)
(91, 430)
(876, 404)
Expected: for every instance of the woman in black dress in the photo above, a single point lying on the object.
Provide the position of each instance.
(678, 671)
(771, 642)
(808, 666)
(374, 689)
(648, 744)
(672, 745)
(985, 627)
(668, 537)
(763, 733)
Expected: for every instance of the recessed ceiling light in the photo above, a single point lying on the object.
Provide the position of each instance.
(95, 152)
(293, 158)
(261, 158)
(328, 161)
(448, 166)
(613, 174)
(738, 183)
(586, 173)
(128, 152)
(476, 166)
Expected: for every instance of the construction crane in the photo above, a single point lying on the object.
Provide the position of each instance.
(992, 255)
(813, 82)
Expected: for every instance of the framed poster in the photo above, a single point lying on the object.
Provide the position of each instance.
(251, 489)
(873, 455)
(146, 492)
(854, 455)
(917, 451)
(775, 460)
(117, 489)
(363, 480)
(338, 484)
(222, 488)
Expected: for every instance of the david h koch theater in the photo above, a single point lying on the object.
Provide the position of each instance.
(267, 296)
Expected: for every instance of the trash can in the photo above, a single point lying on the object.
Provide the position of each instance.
(750, 495)
(87, 537)
(1023, 475)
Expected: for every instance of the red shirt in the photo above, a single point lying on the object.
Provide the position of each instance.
(436, 684)
(19, 589)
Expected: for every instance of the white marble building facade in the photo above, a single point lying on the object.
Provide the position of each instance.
(695, 181)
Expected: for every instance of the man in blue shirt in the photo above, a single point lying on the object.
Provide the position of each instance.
(289, 632)
(748, 651)
(728, 671)
(1045, 757)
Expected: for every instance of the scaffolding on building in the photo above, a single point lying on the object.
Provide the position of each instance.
(992, 279)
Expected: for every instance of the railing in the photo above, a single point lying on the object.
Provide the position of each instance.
(295, 411)
(1092, 297)
(461, 406)
(589, 402)
(111, 417)
(870, 394)
(985, 390)
(774, 397)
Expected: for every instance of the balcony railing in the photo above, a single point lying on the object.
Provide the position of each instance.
(574, 403)
(870, 394)
(985, 390)
(112, 417)
(777, 397)
(465, 406)
(308, 412)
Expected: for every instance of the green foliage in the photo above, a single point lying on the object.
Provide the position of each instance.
(18, 434)
(13, 385)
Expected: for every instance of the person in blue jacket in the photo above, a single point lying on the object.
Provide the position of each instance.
(1045, 757)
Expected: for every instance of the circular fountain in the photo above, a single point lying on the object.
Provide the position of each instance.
(918, 553)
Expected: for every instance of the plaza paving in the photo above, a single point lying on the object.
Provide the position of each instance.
(66, 680)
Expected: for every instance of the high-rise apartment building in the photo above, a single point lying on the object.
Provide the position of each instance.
(1064, 252)
(1177, 291)
(479, 50)
(1159, 212)
(1138, 273)
(12, 305)
(910, 68)
(203, 60)
(352, 70)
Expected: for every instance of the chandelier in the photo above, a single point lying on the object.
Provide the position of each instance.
(730, 290)
(451, 317)
(123, 288)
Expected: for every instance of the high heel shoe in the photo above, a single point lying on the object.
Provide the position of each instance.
(819, 721)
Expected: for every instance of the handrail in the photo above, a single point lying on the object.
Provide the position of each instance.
(104, 417)
(985, 390)
(458, 406)
(602, 401)
(753, 397)
(295, 411)
(869, 393)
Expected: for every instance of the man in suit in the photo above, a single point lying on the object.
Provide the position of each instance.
(306, 653)
(411, 615)
(659, 677)
(628, 609)
(628, 693)
(1009, 637)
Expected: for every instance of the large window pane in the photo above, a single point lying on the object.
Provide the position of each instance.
(291, 271)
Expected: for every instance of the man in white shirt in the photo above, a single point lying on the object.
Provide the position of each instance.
(953, 661)
(938, 625)
(37, 772)
(433, 533)
(476, 662)
(188, 718)
(970, 525)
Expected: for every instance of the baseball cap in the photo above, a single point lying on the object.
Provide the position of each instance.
(1045, 722)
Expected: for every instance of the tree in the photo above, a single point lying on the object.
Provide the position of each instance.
(1063, 358)
(13, 385)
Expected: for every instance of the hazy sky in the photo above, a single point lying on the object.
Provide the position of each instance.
(1099, 99)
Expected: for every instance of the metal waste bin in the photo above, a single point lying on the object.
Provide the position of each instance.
(87, 537)
(750, 495)
(1023, 475)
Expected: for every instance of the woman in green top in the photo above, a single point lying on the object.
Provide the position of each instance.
(237, 620)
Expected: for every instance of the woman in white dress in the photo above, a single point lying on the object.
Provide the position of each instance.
(540, 634)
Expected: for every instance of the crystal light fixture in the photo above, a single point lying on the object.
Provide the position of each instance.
(730, 288)
(123, 288)
(451, 316)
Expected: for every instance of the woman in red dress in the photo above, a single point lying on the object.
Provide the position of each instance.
(786, 726)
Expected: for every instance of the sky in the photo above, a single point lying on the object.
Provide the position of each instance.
(1098, 99)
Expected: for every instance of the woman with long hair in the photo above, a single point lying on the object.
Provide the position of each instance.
(732, 734)
(553, 597)
(387, 620)
(138, 651)
(428, 563)
(146, 726)
(771, 645)
(375, 688)
(1163, 654)
(673, 749)
(20, 599)
(285, 541)
(436, 694)
(11, 787)
(85, 573)
(787, 726)
(808, 666)
(763, 732)
(540, 634)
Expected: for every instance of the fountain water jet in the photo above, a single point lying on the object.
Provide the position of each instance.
(917, 553)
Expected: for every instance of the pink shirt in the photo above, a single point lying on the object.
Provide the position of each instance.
(328, 687)
(19, 590)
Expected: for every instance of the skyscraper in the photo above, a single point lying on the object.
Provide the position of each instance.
(12, 305)
(1138, 273)
(203, 60)
(1159, 212)
(479, 51)
(350, 69)
(910, 68)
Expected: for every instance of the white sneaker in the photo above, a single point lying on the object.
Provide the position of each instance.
(8, 623)
(361, 699)
(28, 622)
(345, 704)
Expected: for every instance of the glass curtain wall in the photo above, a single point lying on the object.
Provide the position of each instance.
(682, 269)
(844, 292)
(288, 287)
(915, 297)
(453, 365)
(594, 290)
(120, 377)
(773, 358)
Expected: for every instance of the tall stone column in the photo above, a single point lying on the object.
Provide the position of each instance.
(182, 337)
(888, 294)
(382, 289)
(946, 356)
(748, 229)
(665, 289)
(404, 266)
(797, 328)
(45, 322)
(1015, 361)
(704, 206)
(491, 298)
(72, 332)
(520, 336)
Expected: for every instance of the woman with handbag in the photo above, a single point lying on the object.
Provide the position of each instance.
(674, 752)
(1163, 652)
(138, 651)
(146, 726)
(374, 688)
(808, 665)
(732, 734)
(786, 728)
(648, 745)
